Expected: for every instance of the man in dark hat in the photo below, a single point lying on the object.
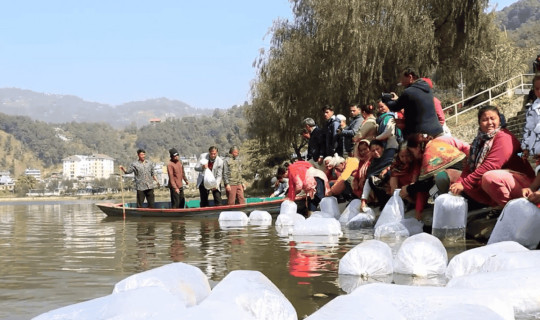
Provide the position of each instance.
(176, 173)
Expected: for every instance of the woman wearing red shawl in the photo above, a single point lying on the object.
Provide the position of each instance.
(494, 173)
(304, 177)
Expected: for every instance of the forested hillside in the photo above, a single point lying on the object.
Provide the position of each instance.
(522, 22)
(38, 144)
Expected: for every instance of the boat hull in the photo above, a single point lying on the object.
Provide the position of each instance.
(162, 209)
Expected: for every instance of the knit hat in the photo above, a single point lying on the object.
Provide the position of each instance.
(173, 152)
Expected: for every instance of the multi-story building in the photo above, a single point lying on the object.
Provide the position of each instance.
(36, 173)
(95, 166)
(6, 183)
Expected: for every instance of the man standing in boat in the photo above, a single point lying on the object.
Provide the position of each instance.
(232, 177)
(214, 163)
(144, 174)
(176, 173)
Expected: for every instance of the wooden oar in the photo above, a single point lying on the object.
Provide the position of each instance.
(122, 191)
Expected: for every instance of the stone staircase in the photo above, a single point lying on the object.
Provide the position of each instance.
(516, 123)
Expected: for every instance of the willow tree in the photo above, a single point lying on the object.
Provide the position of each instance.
(339, 52)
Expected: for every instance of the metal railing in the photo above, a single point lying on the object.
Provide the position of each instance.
(522, 85)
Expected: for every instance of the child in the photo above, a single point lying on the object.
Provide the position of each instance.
(531, 132)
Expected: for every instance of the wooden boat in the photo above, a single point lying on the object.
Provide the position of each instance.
(192, 209)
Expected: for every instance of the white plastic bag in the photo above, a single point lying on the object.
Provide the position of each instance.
(352, 210)
(369, 258)
(209, 180)
(449, 217)
(330, 205)
(519, 222)
(421, 255)
(393, 211)
(362, 220)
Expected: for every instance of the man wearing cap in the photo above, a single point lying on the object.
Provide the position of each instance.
(144, 173)
(315, 151)
(176, 173)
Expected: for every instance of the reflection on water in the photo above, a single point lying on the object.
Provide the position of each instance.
(58, 253)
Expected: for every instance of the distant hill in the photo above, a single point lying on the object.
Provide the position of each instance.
(55, 108)
(522, 22)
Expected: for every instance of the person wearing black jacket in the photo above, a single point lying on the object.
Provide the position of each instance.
(330, 131)
(316, 143)
(417, 104)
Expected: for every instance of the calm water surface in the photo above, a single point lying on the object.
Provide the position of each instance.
(54, 254)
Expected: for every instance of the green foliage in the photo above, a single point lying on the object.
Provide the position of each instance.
(339, 52)
(24, 184)
(194, 135)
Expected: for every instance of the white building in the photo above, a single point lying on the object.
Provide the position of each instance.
(6, 183)
(36, 173)
(95, 166)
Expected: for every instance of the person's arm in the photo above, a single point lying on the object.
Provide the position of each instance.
(218, 174)
(226, 173)
(438, 110)
(153, 173)
(184, 177)
(352, 129)
(530, 123)
(199, 167)
(400, 103)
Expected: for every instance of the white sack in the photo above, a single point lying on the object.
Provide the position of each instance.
(352, 210)
(520, 288)
(427, 302)
(209, 180)
(233, 216)
(512, 261)
(259, 215)
(362, 220)
(141, 303)
(322, 214)
(413, 226)
(288, 206)
(421, 255)
(253, 293)
(330, 205)
(391, 230)
(317, 227)
(520, 222)
(348, 307)
(471, 261)
(465, 311)
(368, 259)
(188, 283)
(393, 211)
(289, 219)
(450, 212)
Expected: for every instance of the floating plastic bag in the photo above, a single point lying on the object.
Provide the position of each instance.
(449, 217)
(521, 288)
(322, 214)
(362, 220)
(259, 215)
(233, 216)
(352, 210)
(368, 259)
(520, 222)
(210, 181)
(252, 292)
(187, 282)
(471, 261)
(317, 227)
(330, 205)
(288, 207)
(289, 219)
(421, 255)
(391, 230)
(413, 226)
(393, 211)
(512, 261)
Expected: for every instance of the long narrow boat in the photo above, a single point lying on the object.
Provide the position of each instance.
(192, 209)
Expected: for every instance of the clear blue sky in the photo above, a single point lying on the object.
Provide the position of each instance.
(116, 51)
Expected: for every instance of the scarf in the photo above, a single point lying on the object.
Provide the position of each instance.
(480, 148)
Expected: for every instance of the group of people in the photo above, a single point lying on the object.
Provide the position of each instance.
(407, 146)
(212, 171)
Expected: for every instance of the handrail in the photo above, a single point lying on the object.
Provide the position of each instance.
(521, 85)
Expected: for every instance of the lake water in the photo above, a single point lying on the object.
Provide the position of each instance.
(54, 254)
